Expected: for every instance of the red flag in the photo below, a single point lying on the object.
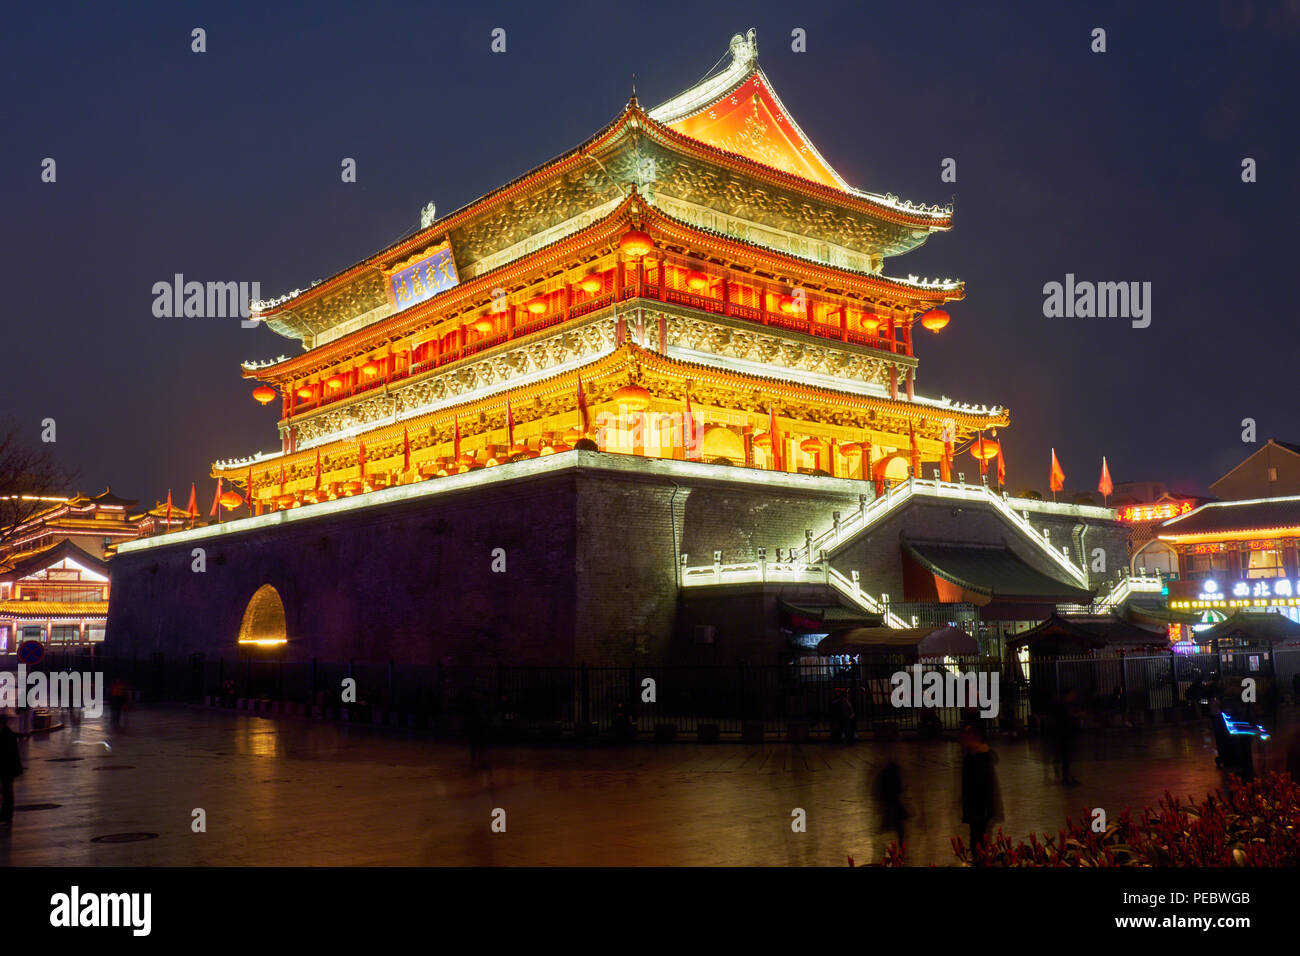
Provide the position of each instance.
(167, 522)
(984, 462)
(1057, 477)
(776, 440)
(916, 452)
(193, 507)
(361, 460)
(406, 451)
(1105, 486)
(455, 448)
(510, 427)
(216, 501)
(1002, 467)
(317, 469)
(945, 467)
(582, 407)
(281, 477)
(691, 445)
(250, 491)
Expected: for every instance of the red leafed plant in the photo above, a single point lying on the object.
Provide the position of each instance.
(1256, 824)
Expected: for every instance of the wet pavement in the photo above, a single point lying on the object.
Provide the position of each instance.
(286, 792)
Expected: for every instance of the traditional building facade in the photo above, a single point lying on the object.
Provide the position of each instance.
(680, 339)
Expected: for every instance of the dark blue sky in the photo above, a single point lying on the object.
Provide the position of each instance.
(225, 166)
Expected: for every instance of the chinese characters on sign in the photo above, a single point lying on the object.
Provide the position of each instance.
(1255, 592)
(416, 280)
(1156, 512)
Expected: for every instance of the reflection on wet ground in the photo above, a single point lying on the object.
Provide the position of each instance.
(292, 792)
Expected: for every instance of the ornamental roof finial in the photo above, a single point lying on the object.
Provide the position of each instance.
(744, 49)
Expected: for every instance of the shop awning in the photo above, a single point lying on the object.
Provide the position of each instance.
(1266, 627)
(825, 617)
(992, 573)
(923, 641)
(1090, 632)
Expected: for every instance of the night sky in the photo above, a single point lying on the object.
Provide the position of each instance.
(225, 166)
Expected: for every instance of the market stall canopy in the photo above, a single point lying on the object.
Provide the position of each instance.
(1091, 632)
(1255, 627)
(1152, 612)
(981, 574)
(923, 641)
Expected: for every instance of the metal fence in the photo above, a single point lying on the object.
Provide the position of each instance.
(729, 700)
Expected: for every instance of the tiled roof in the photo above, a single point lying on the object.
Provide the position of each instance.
(1259, 514)
(994, 570)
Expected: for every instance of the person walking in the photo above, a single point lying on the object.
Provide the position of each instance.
(889, 794)
(981, 800)
(117, 699)
(1064, 728)
(10, 769)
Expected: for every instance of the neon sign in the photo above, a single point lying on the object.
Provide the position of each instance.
(1155, 512)
(1250, 593)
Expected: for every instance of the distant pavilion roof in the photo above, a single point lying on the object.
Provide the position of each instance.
(1251, 516)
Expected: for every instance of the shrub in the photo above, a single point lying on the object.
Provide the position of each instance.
(1256, 824)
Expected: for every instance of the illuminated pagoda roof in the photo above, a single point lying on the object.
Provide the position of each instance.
(691, 153)
(1222, 519)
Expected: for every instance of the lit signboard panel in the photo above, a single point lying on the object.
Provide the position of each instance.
(421, 278)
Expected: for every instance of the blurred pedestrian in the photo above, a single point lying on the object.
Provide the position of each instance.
(842, 718)
(981, 799)
(1064, 729)
(10, 769)
(117, 699)
(889, 794)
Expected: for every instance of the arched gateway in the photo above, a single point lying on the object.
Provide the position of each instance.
(264, 618)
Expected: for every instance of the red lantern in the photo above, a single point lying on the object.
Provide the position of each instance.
(934, 320)
(811, 445)
(762, 440)
(483, 325)
(264, 394)
(231, 500)
(370, 369)
(791, 305)
(304, 393)
(334, 383)
(636, 243)
(633, 397)
(536, 305)
(697, 281)
(988, 452)
(591, 284)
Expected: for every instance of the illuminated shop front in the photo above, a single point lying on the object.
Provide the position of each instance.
(1237, 555)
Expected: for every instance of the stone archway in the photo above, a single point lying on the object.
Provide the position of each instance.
(722, 442)
(264, 621)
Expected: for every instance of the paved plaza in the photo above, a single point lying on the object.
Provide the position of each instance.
(284, 791)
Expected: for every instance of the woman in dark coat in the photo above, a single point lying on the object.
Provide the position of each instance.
(10, 768)
(981, 800)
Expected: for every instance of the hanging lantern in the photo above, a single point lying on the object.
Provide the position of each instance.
(370, 369)
(871, 322)
(231, 500)
(466, 459)
(990, 449)
(483, 324)
(812, 446)
(352, 488)
(850, 448)
(264, 394)
(790, 305)
(334, 383)
(304, 393)
(285, 501)
(934, 320)
(536, 305)
(636, 243)
(697, 281)
(518, 448)
(591, 284)
(632, 397)
(762, 440)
